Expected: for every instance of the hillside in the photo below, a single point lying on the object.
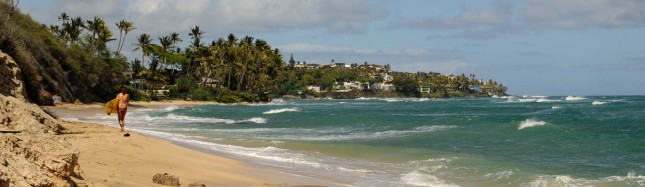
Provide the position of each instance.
(51, 67)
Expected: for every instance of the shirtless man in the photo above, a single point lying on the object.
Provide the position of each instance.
(122, 106)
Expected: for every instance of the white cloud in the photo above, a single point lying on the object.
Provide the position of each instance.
(444, 67)
(462, 21)
(408, 60)
(144, 7)
(332, 15)
(582, 14)
(499, 15)
(194, 7)
(312, 48)
(89, 7)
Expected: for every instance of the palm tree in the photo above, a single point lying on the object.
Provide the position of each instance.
(95, 26)
(196, 35)
(166, 44)
(174, 37)
(73, 29)
(144, 42)
(104, 35)
(137, 67)
(154, 63)
(63, 17)
(231, 39)
(246, 44)
(124, 26)
(54, 29)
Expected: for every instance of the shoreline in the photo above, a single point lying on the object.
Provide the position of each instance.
(109, 159)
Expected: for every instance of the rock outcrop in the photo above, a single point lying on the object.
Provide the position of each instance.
(32, 154)
(36, 160)
(10, 77)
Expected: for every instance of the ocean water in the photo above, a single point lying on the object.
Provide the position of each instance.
(499, 141)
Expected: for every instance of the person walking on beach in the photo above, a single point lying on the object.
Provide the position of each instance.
(122, 106)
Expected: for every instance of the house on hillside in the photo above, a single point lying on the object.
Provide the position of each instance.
(312, 66)
(425, 89)
(387, 77)
(476, 88)
(299, 65)
(128, 73)
(314, 88)
(383, 86)
(340, 65)
(211, 82)
(139, 84)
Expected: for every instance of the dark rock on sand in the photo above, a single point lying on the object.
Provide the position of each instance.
(165, 179)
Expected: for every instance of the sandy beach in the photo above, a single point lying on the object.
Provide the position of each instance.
(107, 158)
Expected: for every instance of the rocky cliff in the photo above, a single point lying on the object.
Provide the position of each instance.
(32, 154)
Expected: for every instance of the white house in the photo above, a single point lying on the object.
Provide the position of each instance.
(314, 88)
(299, 65)
(211, 82)
(387, 77)
(424, 89)
(138, 84)
(383, 86)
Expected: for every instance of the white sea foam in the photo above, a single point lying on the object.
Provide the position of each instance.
(574, 98)
(500, 175)
(255, 120)
(527, 100)
(369, 135)
(174, 119)
(421, 178)
(556, 107)
(171, 108)
(276, 111)
(268, 153)
(598, 103)
(423, 99)
(392, 100)
(71, 119)
(360, 171)
(332, 134)
(544, 100)
(277, 101)
(530, 123)
(631, 179)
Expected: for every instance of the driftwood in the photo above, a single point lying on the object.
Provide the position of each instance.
(10, 131)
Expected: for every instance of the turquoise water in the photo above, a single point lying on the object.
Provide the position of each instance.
(508, 141)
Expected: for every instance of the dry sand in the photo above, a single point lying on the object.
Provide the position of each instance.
(107, 158)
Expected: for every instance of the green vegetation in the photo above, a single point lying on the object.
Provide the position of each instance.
(72, 59)
(70, 64)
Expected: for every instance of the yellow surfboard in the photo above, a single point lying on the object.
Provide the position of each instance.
(110, 107)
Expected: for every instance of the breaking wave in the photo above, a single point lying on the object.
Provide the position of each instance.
(574, 98)
(631, 179)
(173, 118)
(337, 134)
(276, 111)
(598, 103)
(530, 123)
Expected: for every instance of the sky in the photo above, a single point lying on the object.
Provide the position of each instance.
(535, 47)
